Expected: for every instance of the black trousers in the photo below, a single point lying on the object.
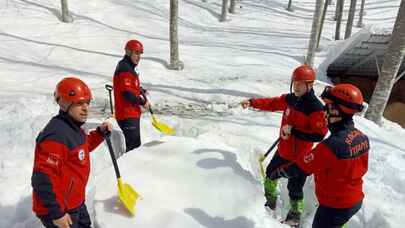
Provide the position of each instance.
(295, 185)
(327, 217)
(80, 218)
(132, 133)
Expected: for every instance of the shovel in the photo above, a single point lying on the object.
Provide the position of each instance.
(264, 156)
(162, 127)
(109, 88)
(127, 195)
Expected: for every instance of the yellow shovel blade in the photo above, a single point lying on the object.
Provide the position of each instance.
(261, 159)
(162, 127)
(128, 196)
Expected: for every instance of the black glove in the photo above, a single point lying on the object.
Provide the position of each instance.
(143, 91)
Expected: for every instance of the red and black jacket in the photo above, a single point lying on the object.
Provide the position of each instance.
(127, 90)
(306, 116)
(61, 166)
(338, 164)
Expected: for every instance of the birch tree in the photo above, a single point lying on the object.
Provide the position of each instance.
(224, 13)
(392, 61)
(339, 15)
(350, 19)
(289, 6)
(66, 17)
(175, 63)
(361, 14)
(316, 21)
(232, 7)
(325, 9)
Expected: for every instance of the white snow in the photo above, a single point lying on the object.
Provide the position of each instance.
(207, 174)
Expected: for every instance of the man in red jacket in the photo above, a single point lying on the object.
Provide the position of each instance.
(302, 124)
(62, 164)
(129, 95)
(338, 162)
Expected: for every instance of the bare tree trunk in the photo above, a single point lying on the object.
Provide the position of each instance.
(389, 70)
(224, 13)
(232, 7)
(361, 14)
(289, 7)
(66, 17)
(336, 10)
(350, 19)
(175, 63)
(340, 4)
(325, 9)
(314, 32)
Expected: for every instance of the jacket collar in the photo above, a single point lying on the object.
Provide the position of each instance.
(128, 60)
(69, 120)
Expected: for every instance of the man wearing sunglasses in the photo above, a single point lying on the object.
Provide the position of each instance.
(338, 163)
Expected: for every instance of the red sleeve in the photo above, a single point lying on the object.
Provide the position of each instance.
(127, 82)
(270, 104)
(316, 160)
(94, 138)
(49, 160)
(318, 123)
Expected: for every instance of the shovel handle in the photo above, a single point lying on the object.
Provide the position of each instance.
(109, 88)
(110, 149)
(271, 148)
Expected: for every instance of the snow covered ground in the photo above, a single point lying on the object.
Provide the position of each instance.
(207, 174)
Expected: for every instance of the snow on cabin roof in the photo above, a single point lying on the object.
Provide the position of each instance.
(359, 58)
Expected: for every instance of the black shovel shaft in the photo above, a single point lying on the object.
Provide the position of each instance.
(110, 149)
(144, 96)
(109, 88)
(272, 147)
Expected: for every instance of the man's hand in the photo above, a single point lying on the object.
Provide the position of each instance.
(105, 127)
(286, 131)
(146, 105)
(63, 222)
(245, 104)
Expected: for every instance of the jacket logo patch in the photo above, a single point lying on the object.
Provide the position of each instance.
(81, 155)
(308, 158)
(287, 112)
(127, 82)
(52, 160)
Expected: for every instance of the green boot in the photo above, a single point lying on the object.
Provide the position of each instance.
(295, 212)
(270, 192)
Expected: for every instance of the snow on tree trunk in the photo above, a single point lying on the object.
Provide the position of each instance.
(66, 17)
(232, 6)
(314, 31)
(361, 14)
(392, 61)
(175, 63)
(325, 9)
(224, 13)
(350, 19)
(289, 7)
(339, 14)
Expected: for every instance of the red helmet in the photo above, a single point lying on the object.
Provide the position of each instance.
(347, 96)
(303, 73)
(72, 90)
(135, 46)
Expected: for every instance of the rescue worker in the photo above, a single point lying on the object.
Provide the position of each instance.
(62, 163)
(129, 96)
(338, 162)
(302, 124)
